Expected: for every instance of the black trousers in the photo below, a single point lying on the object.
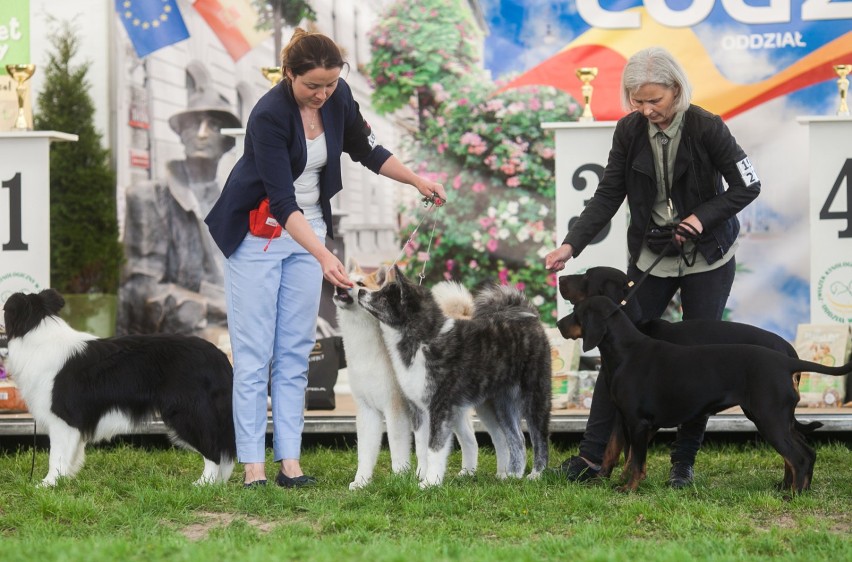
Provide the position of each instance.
(703, 296)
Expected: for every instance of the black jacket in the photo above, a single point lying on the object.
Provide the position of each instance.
(276, 153)
(707, 153)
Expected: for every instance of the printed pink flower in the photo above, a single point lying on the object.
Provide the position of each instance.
(513, 181)
(503, 276)
(491, 245)
(478, 187)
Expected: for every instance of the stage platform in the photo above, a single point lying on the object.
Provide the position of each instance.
(342, 420)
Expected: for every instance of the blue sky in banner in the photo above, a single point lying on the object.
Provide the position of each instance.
(523, 33)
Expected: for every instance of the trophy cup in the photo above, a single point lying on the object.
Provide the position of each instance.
(272, 73)
(21, 73)
(586, 75)
(843, 86)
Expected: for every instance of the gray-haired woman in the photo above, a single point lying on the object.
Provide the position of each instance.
(668, 159)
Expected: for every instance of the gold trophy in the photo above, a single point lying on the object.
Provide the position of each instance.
(272, 73)
(843, 86)
(21, 73)
(586, 75)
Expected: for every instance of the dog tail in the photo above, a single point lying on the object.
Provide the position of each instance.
(455, 300)
(802, 365)
(503, 300)
(807, 428)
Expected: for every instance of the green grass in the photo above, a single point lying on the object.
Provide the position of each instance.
(131, 503)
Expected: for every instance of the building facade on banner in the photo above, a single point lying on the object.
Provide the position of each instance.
(137, 99)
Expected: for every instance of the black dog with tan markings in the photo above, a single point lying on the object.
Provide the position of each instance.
(649, 390)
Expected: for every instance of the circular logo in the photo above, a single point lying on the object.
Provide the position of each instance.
(834, 292)
(17, 282)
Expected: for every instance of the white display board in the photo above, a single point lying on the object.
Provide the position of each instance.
(25, 210)
(582, 150)
(830, 217)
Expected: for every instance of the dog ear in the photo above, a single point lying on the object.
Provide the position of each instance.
(390, 275)
(594, 329)
(53, 301)
(614, 290)
(352, 264)
(381, 275)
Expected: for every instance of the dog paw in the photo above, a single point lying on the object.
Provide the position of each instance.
(358, 484)
(534, 475)
(430, 482)
(467, 472)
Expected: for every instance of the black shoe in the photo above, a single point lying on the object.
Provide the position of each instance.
(298, 482)
(577, 469)
(681, 475)
(255, 484)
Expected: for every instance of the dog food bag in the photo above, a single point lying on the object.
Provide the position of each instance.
(10, 398)
(564, 356)
(828, 344)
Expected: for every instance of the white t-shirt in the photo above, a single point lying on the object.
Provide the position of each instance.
(307, 185)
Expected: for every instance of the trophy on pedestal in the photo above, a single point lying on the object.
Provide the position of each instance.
(272, 73)
(21, 73)
(843, 70)
(586, 75)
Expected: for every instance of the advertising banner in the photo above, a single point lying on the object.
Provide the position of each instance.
(761, 67)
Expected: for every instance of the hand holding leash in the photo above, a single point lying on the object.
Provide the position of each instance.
(434, 200)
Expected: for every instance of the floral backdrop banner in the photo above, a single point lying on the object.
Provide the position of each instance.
(759, 66)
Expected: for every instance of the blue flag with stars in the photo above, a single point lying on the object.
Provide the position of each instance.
(151, 24)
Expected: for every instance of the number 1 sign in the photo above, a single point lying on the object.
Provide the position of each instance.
(25, 210)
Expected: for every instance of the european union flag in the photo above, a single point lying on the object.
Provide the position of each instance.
(151, 24)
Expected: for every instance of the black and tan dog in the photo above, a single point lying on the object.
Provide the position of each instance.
(650, 392)
(614, 284)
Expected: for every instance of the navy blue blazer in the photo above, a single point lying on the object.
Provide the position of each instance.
(276, 153)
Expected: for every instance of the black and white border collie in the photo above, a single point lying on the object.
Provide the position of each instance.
(81, 389)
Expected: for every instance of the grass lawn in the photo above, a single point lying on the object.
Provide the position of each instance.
(137, 503)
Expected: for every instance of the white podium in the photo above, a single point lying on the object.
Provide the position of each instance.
(240, 135)
(25, 210)
(830, 217)
(582, 149)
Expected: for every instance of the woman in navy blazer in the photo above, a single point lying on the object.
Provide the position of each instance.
(294, 140)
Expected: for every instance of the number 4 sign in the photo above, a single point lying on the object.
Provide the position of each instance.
(830, 216)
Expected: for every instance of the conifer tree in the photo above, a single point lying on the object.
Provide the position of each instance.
(85, 253)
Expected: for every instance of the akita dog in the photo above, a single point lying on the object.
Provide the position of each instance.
(498, 362)
(375, 387)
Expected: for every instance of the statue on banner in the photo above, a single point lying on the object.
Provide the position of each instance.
(173, 278)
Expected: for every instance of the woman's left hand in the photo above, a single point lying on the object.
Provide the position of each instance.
(692, 221)
(431, 189)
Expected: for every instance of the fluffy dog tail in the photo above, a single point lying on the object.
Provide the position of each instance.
(504, 301)
(455, 300)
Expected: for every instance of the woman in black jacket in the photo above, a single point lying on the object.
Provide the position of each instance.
(669, 159)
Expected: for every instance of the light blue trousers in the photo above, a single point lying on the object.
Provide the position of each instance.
(273, 299)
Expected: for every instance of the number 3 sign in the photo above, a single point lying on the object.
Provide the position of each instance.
(582, 150)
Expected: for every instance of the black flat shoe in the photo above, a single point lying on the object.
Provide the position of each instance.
(302, 481)
(255, 484)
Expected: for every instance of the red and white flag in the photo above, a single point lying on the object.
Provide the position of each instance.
(233, 21)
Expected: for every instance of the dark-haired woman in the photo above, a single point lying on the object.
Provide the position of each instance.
(294, 139)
